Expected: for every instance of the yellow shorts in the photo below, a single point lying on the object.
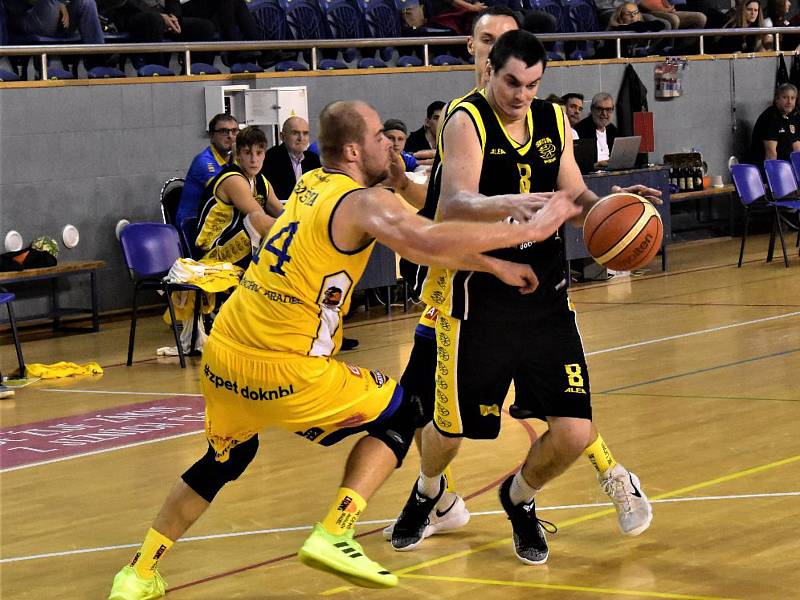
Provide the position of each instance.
(319, 398)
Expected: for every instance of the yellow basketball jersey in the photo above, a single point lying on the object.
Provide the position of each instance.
(299, 285)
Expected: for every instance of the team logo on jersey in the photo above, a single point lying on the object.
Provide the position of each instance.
(311, 434)
(354, 370)
(497, 151)
(378, 377)
(547, 149)
(332, 296)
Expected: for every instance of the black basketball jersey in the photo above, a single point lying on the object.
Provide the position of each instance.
(509, 167)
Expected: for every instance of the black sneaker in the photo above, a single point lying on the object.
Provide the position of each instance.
(349, 344)
(520, 412)
(530, 544)
(412, 524)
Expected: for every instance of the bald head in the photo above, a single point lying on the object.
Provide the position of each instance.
(340, 123)
(295, 134)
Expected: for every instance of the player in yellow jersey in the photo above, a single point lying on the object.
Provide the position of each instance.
(633, 511)
(268, 360)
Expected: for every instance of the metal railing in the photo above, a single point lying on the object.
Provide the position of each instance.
(186, 49)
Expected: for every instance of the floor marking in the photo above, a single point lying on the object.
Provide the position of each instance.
(697, 396)
(565, 588)
(162, 394)
(584, 518)
(693, 333)
(383, 522)
(698, 371)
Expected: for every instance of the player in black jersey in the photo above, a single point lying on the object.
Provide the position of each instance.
(488, 334)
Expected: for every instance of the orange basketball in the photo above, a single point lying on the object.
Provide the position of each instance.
(623, 231)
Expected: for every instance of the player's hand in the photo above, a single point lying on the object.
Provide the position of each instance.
(560, 207)
(396, 179)
(516, 274)
(63, 16)
(651, 194)
(522, 207)
(171, 23)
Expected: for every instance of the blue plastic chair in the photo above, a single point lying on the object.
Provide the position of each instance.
(382, 18)
(7, 298)
(563, 22)
(150, 250)
(583, 16)
(155, 71)
(200, 68)
(784, 188)
(246, 67)
(752, 193)
(105, 73)
(305, 21)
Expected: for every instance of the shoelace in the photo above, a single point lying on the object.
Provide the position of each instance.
(548, 526)
(614, 486)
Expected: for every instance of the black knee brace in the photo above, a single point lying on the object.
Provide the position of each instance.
(397, 431)
(207, 475)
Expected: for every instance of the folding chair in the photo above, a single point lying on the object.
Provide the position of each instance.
(747, 180)
(7, 298)
(784, 188)
(150, 250)
(170, 198)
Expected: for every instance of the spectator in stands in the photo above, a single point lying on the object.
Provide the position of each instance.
(776, 14)
(222, 132)
(598, 125)
(776, 132)
(286, 162)
(54, 18)
(153, 21)
(628, 17)
(678, 19)
(455, 15)
(422, 142)
(397, 132)
(748, 14)
(573, 103)
(238, 192)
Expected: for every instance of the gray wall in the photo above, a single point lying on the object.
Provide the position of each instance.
(90, 155)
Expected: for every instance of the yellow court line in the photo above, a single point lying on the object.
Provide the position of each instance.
(584, 518)
(566, 588)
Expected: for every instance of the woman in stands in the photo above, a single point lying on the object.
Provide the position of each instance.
(628, 17)
(748, 14)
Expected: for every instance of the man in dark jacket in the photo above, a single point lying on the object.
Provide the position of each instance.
(54, 18)
(286, 162)
(598, 126)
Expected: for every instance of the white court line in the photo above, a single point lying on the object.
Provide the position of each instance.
(92, 453)
(692, 333)
(382, 522)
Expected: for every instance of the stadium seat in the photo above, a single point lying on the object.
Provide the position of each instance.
(442, 60)
(345, 21)
(330, 64)
(54, 72)
(104, 73)
(155, 71)
(200, 68)
(382, 18)
(784, 189)
(563, 23)
(8, 76)
(583, 16)
(306, 22)
(371, 63)
(246, 67)
(794, 158)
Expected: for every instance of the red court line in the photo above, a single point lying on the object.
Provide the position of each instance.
(525, 425)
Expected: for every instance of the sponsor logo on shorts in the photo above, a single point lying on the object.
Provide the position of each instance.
(487, 411)
(352, 421)
(442, 410)
(444, 339)
(311, 434)
(432, 314)
(442, 353)
(354, 370)
(441, 397)
(437, 297)
(442, 422)
(249, 393)
(445, 324)
(441, 383)
(442, 368)
(378, 377)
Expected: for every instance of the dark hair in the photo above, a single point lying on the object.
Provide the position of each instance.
(340, 123)
(249, 137)
(570, 95)
(395, 125)
(434, 106)
(555, 99)
(212, 125)
(519, 44)
(494, 11)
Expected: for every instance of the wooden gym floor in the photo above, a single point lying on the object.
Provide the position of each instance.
(695, 385)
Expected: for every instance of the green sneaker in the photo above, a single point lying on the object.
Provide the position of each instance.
(129, 586)
(343, 556)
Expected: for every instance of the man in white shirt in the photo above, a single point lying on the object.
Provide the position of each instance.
(598, 125)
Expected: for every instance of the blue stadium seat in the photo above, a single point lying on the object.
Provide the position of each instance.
(563, 22)
(246, 67)
(155, 71)
(200, 68)
(345, 21)
(8, 76)
(305, 21)
(382, 19)
(583, 15)
(105, 73)
(290, 65)
(54, 72)
(271, 22)
(371, 63)
(442, 60)
(330, 64)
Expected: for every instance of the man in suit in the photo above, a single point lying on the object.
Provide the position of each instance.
(598, 126)
(286, 162)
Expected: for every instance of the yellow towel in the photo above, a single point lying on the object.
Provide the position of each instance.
(63, 369)
(210, 276)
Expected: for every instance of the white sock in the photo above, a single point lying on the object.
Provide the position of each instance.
(521, 492)
(429, 486)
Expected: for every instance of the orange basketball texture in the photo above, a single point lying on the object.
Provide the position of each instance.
(623, 231)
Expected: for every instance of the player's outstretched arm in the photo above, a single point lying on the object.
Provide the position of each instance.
(376, 213)
(413, 193)
(236, 191)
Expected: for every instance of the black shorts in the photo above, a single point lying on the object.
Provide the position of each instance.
(418, 377)
(478, 359)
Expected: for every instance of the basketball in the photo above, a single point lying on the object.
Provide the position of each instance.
(623, 231)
